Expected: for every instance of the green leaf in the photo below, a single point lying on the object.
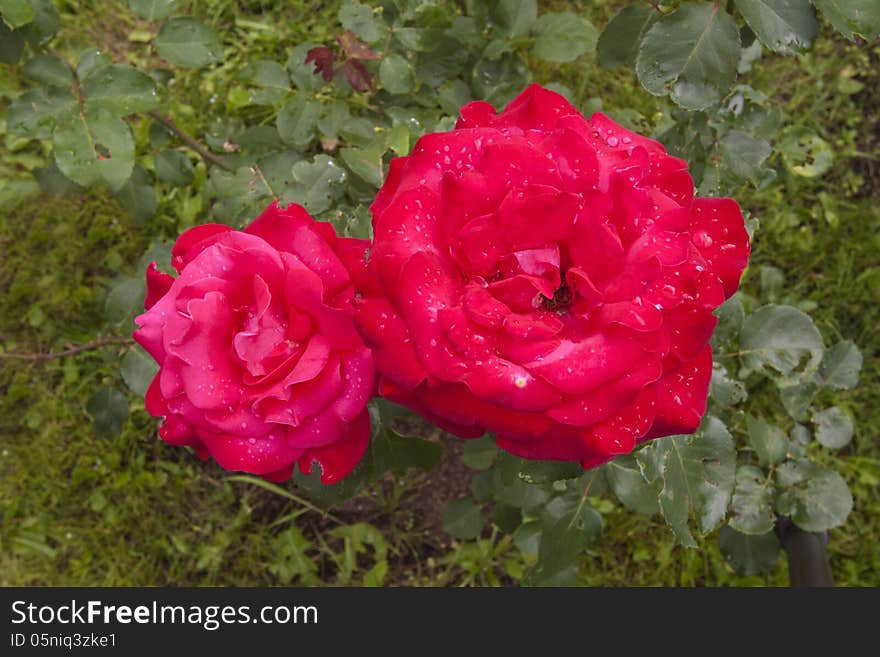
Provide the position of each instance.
(138, 370)
(395, 74)
(568, 526)
(452, 95)
(316, 184)
(619, 43)
(49, 71)
(698, 473)
(334, 116)
(768, 441)
(390, 452)
(463, 519)
(723, 390)
(16, 12)
(744, 155)
(804, 153)
(780, 337)
(291, 559)
(44, 25)
(188, 43)
(527, 537)
(840, 366)
(563, 37)
(852, 17)
(749, 555)
(751, 509)
(796, 398)
(120, 89)
(479, 454)
(730, 320)
(153, 10)
(690, 54)
(365, 162)
(109, 410)
(138, 195)
(298, 120)
(174, 167)
(397, 139)
(360, 19)
(302, 74)
(35, 113)
(90, 60)
(11, 45)
(271, 78)
(506, 517)
(784, 26)
(124, 300)
(94, 146)
(834, 428)
(630, 487)
(515, 17)
(498, 82)
(815, 498)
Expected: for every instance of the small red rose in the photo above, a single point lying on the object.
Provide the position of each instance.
(548, 278)
(261, 366)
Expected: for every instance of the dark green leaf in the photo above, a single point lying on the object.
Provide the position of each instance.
(90, 60)
(11, 45)
(784, 26)
(730, 320)
(815, 498)
(186, 42)
(302, 74)
(391, 452)
(120, 89)
(109, 410)
(359, 18)
(479, 454)
(153, 10)
(563, 37)
(834, 428)
(840, 366)
(546, 472)
(420, 40)
(174, 167)
(619, 43)
(395, 74)
(690, 54)
(499, 81)
(852, 16)
(698, 473)
(16, 12)
(744, 155)
(463, 519)
(138, 370)
(95, 146)
(49, 71)
(125, 300)
(630, 487)
(567, 530)
(44, 25)
(768, 441)
(527, 537)
(506, 517)
(452, 95)
(316, 184)
(443, 63)
(723, 390)
(365, 162)
(796, 398)
(780, 337)
(751, 509)
(298, 120)
(749, 555)
(515, 17)
(138, 195)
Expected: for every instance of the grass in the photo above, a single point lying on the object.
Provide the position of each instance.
(78, 509)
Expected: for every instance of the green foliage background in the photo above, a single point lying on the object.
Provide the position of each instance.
(83, 503)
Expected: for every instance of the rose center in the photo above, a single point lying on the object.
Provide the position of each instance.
(560, 301)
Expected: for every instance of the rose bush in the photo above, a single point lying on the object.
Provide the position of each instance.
(261, 365)
(548, 278)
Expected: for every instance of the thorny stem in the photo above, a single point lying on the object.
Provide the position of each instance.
(50, 355)
(204, 153)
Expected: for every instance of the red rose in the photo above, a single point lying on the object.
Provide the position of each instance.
(261, 364)
(550, 279)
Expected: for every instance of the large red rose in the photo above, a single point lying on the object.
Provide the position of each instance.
(261, 364)
(548, 278)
